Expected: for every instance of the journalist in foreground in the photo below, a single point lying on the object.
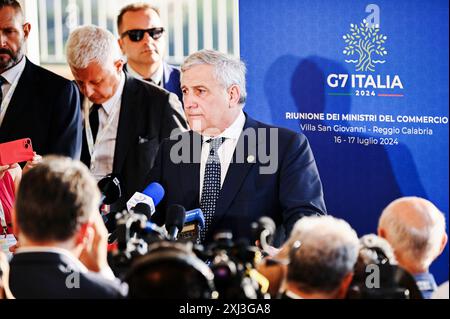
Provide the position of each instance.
(234, 168)
(62, 239)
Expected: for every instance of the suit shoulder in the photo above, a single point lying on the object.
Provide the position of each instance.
(45, 76)
(150, 89)
(283, 132)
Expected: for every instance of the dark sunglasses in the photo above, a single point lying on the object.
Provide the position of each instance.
(138, 34)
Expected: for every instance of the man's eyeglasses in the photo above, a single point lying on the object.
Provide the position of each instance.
(137, 35)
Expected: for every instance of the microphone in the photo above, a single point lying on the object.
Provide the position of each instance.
(151, 195)
(175, 217)
(143, 209)
(110, 189)
(193, 222)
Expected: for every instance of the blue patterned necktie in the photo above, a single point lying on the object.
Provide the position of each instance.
(211, 185)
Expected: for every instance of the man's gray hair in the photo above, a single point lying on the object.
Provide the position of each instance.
(324, 250)
(91, 43)
(228, 70)
(417, 241)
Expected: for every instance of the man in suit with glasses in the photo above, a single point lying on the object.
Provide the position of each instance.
(142, 40)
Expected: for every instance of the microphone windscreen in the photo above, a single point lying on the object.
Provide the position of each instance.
(155, 191)
(195, 215)
(110, 188)
(143, 209)
(175, 216)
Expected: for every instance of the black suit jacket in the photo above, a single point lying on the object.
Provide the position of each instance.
(46, 108)
(285, 192)
(49, 275)
(148, 114)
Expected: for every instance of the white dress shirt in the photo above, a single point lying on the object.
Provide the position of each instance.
(11, 74)
(226, 150)
(105, 145)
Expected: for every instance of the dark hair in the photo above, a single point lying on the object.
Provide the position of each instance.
(133, 8)
(11, 3)
(55, 198)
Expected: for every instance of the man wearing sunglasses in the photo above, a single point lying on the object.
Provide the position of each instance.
(142, 40)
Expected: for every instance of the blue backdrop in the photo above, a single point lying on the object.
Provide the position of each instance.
(311, 64)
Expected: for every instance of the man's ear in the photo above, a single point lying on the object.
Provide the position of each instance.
(119, 65)
(345, 284)
(382, 233)
(120, 41)
(234, 95)
(443, 243)
(26, 30)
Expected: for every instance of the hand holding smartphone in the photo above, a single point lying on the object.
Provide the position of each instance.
(16, 152)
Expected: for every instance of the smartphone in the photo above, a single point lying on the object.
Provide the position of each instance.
(16, 151)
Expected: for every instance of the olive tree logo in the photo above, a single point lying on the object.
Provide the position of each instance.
(366, 41)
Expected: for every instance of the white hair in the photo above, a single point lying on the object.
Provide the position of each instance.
(323, 251)
(228, 70)
(418, 242)
(91, 43)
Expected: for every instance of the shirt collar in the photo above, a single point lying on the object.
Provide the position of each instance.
(156, 77)
(54, 250)
(233, 131)
(11, 74)
(109, 105)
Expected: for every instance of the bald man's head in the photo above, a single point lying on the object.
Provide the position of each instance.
(416, 230)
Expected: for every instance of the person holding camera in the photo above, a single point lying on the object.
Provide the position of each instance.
(63, 240)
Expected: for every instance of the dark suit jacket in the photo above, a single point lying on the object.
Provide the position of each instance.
(171, 80)
(45, 275)
(148, 114)
(291, 190)
(46, 108)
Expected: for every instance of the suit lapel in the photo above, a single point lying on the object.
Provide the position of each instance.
(17, 105)
(126, 128)
(237, 171)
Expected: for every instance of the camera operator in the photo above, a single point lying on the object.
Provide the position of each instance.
(63, 240)
(377, 275)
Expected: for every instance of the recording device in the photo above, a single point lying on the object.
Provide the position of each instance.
(134, 232)
(233, 265)
(193, 223)
(170, 270)
(16, 152)
(175, 217)
(231, 262)
(151, 195)
(110, 189)
(377, 275)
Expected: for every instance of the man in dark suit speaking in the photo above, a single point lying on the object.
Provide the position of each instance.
(35, 103)
(233, 167)
(125, 119)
